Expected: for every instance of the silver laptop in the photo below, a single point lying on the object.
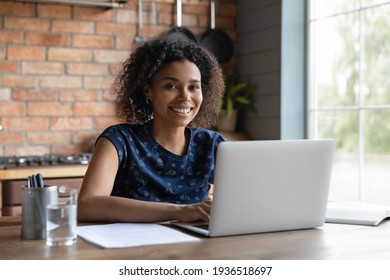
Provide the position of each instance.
(265, 186)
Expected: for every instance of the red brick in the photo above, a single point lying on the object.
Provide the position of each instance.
(34, 95)
(166, 19)
(12, 108)
(83, 137)
(115, 29)
(54, 11)
(7, 36)
(78, 123)
(148, 32)
(93, 41)
(48, 137)
(203, 2)
(168, 7)
(129, 16)
(101, 123)
(2, 51)
(47, 39)
(60, 82)
(162, 30)
(25, 124)
(26, 53)
(93, 109)
(93, 14)
(65, 26)
(132, 5)
(17, 9)
(204, 21)
(43, 68)
(87, 69)
(19, 81)
(79, 95)
(114, 69)
(11, 138)
(98, 82)
(125, 43)
(196, 9)
(108, 56)
(108, 95)
(5, 94)
(9, 66)
(49, 109)
(31, 24)
(69, 55)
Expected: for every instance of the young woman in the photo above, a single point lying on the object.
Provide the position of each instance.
(159, 164)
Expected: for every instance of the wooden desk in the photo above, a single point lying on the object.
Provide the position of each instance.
(332, 241)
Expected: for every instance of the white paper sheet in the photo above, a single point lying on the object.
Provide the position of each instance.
(121, 235)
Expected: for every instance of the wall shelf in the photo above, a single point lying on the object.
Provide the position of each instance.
(92, 3)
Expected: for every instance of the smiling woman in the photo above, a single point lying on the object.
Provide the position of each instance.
(176, 95)
(159, 165)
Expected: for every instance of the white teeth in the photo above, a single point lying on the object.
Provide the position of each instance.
(183, 111)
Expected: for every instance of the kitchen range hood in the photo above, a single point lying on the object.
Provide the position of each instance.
(93, 3)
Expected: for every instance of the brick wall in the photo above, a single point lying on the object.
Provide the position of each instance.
(57, 63)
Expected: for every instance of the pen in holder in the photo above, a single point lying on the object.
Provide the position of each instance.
(34, 203)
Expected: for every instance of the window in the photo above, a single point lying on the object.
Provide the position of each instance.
(349, 93)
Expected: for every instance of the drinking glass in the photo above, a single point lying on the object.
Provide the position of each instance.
(61, 218)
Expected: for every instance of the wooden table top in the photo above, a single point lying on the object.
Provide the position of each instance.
(331, 241)
(61, 171)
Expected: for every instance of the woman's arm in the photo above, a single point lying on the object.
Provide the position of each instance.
(96, 205)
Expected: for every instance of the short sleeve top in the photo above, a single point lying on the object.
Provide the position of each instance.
(149, 172)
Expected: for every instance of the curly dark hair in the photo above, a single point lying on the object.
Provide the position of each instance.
(139, 69)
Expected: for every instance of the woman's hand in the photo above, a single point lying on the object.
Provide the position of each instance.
(195, 212)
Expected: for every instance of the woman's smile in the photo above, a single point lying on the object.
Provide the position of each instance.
(181, 110)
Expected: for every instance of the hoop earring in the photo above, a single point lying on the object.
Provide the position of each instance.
(149, 101)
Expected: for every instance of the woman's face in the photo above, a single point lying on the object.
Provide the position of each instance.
(176, 94)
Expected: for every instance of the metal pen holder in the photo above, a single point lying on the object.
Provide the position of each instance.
(34, 203)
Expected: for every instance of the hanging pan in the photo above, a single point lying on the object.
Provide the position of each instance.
(217, 41)
(178, 32)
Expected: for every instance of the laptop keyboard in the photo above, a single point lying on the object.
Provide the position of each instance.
(202, 226)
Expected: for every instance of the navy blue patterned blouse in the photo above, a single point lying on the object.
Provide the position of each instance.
(149, 172)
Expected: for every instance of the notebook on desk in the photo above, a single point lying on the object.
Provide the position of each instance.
(356, 213)
(264, 186)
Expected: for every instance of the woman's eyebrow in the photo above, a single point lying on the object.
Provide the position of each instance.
(177, 80)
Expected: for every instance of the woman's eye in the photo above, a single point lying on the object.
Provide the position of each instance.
(194, 87)
(170, 86)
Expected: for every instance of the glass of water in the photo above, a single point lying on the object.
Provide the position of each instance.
(61, 218)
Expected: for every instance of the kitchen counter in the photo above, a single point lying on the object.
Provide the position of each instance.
(60, 171)
(46, 171)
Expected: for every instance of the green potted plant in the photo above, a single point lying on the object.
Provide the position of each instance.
(238, 95)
